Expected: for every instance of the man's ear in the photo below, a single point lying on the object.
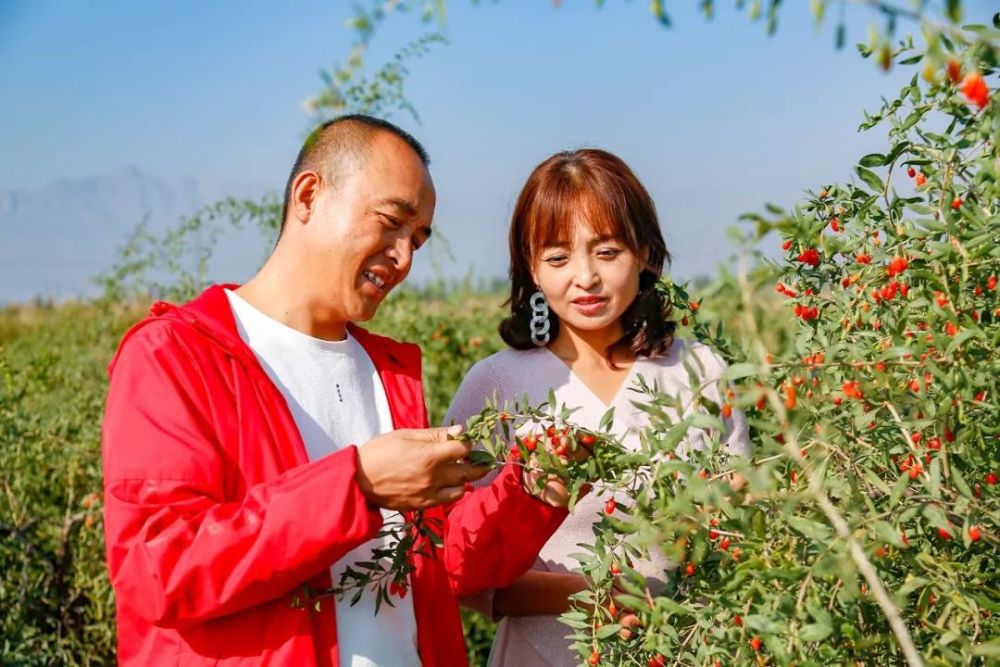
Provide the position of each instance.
(305, 189)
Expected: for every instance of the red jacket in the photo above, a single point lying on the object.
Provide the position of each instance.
(215, 517)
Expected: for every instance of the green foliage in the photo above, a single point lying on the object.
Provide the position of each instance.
(867, 529)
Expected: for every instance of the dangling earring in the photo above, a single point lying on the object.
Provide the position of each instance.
(540, 324)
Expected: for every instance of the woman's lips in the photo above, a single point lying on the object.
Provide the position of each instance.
(589, 305)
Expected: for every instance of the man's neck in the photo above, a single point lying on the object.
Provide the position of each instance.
(271, 293)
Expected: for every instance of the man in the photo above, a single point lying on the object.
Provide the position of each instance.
(232, 476)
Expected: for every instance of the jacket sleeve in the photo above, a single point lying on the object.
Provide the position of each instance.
(182, 546)
(493, 534)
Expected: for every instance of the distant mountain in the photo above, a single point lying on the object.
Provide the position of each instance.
(54, 239)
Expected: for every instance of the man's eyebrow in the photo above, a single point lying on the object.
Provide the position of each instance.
(401, 205)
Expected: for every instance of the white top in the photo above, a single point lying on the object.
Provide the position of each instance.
(508, 376)
(337, 399)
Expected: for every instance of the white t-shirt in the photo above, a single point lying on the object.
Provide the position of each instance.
(337, 399)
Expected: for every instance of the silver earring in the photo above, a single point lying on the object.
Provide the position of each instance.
(540, 324)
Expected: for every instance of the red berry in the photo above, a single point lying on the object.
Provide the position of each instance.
(612, 609)
(724, 544)
(944, 534)
(975, 533)
(991, 283)
(615, 569)
(595, 658)
(755, 643)
(954, 71)
(911, 172)
(530, 443)
(809, 256)
(921, 179)
(975, 89)
(934, 443)
(587, 439)
(727, 410)
(657, 661)
(991, 478)
(956, 203)
(609, 507)
(916, 438)
(713, 534)
(786, 245)
(738, 621)
(689, 570)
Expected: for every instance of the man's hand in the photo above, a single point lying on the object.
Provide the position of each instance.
(412, 469)
(555, 491)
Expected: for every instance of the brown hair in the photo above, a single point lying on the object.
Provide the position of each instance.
(604, 190)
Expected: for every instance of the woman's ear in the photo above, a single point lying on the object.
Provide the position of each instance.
(645, 260)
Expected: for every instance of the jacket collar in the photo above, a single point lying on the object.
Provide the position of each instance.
(398, 364)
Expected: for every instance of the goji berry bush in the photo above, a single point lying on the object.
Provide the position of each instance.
(866, 531)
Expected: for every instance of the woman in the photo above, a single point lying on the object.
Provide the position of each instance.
(585, 322)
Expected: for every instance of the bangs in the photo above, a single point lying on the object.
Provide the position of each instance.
(561, 204)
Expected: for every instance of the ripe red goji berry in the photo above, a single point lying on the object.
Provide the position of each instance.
(713, 534)
(657, 661)
(944, 534)
(689, 570)
(727, 410)
(956, 203)
(724, 544)
(609, 507)
(991, 283)
(954, 71)
(975, 90)
(921, 179)
(790, 400)
(809, 256)
(911, 172)
(991, 478)
(755, 643)
(595, 658)
(975, 533)
(738, 621)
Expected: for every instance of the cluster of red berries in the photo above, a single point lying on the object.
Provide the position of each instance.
(809, 256)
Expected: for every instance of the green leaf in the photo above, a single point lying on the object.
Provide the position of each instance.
(873, 160)
(812, 529)
(606, 631)
(815, 632)
(870, 177)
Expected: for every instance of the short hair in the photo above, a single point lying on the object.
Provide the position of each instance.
(339, 146)
(613, 202)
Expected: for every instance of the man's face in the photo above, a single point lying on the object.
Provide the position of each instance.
(361, 234)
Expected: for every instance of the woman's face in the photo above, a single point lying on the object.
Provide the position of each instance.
(590, 282)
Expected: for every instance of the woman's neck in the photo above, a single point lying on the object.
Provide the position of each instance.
(588, 347)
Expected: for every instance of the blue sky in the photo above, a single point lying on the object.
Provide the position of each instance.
(715, 117)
